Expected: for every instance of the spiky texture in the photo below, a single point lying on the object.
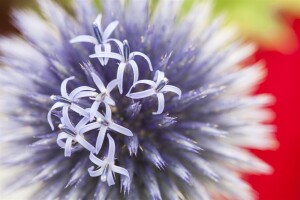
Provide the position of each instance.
(195, 149)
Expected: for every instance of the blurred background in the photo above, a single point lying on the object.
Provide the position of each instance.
(275, 26)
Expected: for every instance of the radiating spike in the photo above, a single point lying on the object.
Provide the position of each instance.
(192, 97)
(151, 184)
(161, 121)
(177, 168)
(202, 129)
(133, 110)
(132, 144)
(180, 141)
(152, 154)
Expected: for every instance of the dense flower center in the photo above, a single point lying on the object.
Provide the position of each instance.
(94, 117)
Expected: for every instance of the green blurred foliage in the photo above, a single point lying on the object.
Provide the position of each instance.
(258, 19)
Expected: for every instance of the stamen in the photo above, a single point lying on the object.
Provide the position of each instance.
(61, 99)
(66, 130)
(97, 33)
(162, 84)
(126, 50)
(104, 176)
(102, 121)
(100, 97)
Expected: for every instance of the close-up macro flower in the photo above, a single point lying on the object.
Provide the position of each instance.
(131, 99)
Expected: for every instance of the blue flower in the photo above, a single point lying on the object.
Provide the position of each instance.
(171, 119)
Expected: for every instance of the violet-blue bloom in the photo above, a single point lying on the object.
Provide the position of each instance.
(194, 147)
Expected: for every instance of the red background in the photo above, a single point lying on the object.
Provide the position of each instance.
(283, 81)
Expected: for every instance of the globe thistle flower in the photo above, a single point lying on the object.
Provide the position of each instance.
(171, 117)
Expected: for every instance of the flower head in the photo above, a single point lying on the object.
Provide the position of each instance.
(170, 117)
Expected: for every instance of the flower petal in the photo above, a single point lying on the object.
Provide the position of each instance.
(110, 178)
(95, 173)
(111, 85)
(96, 160)
(158, 77)
(79, 110)
(120, 129)
(121, 171)
(82, 123)
(109, 29)
(120, 75)
(89, 127)
(161, 103)
(118, 43)
(135, 70)
(94, 109)
(107, 55)
(97, 21)
(66, 120)
(98, 49)
(60, 139)
(148, 82)
(109, 100)
(68, 147)
(85, 94)
(63, 87)
(49, 115)
(136, 53)
(85, 143)
(80, 89)
(111, 150)
(107, 48)
(107, 113)
(100, 139)
(171, 88)
(98, 83)
(142, 94)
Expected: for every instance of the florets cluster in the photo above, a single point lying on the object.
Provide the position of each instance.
(95, 105)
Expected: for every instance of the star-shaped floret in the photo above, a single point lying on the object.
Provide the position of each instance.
(107, 167)
(71, 134)
(101, 39)
(126, 58)
(104, 123)
(68, 100)
(103, 96)
(158, 87)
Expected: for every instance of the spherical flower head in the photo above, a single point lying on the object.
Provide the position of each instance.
(125, 103)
